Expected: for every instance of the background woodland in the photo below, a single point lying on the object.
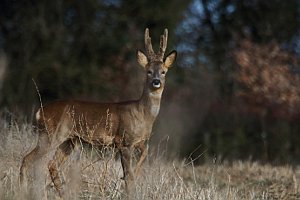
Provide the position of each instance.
(234, 92)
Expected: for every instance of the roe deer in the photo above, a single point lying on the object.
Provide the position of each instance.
(123, 125)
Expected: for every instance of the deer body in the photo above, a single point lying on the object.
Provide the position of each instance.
(124, 125)
(101, 123)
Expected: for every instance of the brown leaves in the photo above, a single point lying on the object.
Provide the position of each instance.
(268, 76)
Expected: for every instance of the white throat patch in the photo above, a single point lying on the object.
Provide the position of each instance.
(155, 96)
(155, 110)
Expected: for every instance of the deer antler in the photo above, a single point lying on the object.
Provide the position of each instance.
(162, 46)
(148, 45)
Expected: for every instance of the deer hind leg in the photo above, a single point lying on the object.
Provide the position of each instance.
(32, 171)
(61, 155)
(144, 152)
(31, 159)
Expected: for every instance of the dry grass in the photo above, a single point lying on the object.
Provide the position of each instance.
(96, 174)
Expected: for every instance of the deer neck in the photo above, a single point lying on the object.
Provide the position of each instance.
(150, 102)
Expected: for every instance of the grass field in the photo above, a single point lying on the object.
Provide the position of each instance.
(96, 174)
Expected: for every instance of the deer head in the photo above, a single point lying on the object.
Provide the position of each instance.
(156, 65)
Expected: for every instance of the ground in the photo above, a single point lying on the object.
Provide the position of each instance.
(96, 174)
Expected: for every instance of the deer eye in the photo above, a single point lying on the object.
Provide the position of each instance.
(149, 72)
(163, 72)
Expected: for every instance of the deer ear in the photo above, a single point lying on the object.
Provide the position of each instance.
(170, 58)
(141, 58)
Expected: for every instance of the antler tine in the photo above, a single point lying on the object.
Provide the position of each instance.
(163, 44)
(148, 44)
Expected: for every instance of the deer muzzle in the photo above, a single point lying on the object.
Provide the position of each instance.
(156, 83)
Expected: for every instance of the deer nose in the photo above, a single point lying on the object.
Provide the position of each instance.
(156, 83)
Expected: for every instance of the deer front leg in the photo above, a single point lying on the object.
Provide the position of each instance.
(144, 152)
(126, 165)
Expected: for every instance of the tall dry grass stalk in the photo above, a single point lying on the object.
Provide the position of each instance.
(94, 173)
